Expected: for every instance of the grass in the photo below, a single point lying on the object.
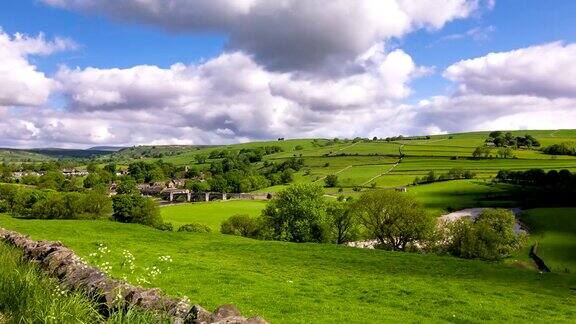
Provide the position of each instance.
(210, 213)
(554, 229)
(28, 295)
(441, 197)
(317, 283)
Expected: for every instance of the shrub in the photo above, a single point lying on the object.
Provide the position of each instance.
(331, 181)
(168, 227)
(195, 228)
(136, 209)
(490, 237)
(240, 225)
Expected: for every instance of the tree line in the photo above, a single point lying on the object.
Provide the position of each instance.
(452, 174)
(562, 181)
(566, 148)
(397, 222)
(501, 139)
(48, 204)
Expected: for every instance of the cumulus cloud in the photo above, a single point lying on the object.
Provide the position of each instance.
(20, 81)
(547, 70)
(235, 96)
(532, 87)
(289, 34)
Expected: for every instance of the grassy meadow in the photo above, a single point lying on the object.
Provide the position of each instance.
(210, 213)
(304, 283)
(323, 283)
(554, 229)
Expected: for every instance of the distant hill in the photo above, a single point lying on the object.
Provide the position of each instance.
(70, 153)
(14, 155)
(107, 148)
(153, 151)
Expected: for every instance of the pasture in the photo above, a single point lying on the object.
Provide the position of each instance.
(554, 229)
(210, 213)
(303, 283)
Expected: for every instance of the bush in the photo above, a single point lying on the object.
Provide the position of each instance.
(331, 181)
(4, 207)
(136, 209)
(490, 237)
(240, 225)
(195, 228)
(168, 227)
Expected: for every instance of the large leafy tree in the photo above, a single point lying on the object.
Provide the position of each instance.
(394, 219)
(297, 214)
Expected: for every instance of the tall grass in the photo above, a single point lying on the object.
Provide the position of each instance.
(27, 295)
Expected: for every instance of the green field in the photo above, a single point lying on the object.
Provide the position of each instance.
(441, 197)
(554, 229)
(211, 213)
(317, 283)
(309, 283)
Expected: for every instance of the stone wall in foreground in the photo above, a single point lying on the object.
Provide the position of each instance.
(62, 263)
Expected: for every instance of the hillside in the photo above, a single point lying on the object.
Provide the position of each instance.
(320, 283)
(366, 163)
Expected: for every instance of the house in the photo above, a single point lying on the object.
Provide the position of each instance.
(74, 173)
(151, 189)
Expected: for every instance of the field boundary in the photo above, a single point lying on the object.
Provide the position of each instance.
(538, 260)
(62, 263)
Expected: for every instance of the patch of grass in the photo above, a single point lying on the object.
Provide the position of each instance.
(28, 296)
(210, 213)
(554, 229)
(318, 283)
(442, 197)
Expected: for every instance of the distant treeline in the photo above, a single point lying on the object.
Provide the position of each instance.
(538, 188)
(566, 148)
(48, 204)
(501, 139)
(452, 174)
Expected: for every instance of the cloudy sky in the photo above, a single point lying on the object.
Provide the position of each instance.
(82, 73)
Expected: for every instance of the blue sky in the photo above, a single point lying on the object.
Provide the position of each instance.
(202, 36)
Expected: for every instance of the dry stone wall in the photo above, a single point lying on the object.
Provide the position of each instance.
(111, 294)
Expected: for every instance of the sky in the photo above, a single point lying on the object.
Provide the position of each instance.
(83, 73)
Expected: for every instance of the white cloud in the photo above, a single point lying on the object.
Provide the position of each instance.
(289, 34)
(236, 97)
(527, 88)
(20, 81)
(546, 70)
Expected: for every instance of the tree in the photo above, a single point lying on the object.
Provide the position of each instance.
(92, 180)
(127, 186)
(342, 222)
(97, 204)
(297, 214)
(240, 225)
(481, 151)
(51, 180)
(490, 237)
(136, 209)
(505, 152)
(394, 219)
(110, 167)
(430, 177)
(197, 186)
(331, 181)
